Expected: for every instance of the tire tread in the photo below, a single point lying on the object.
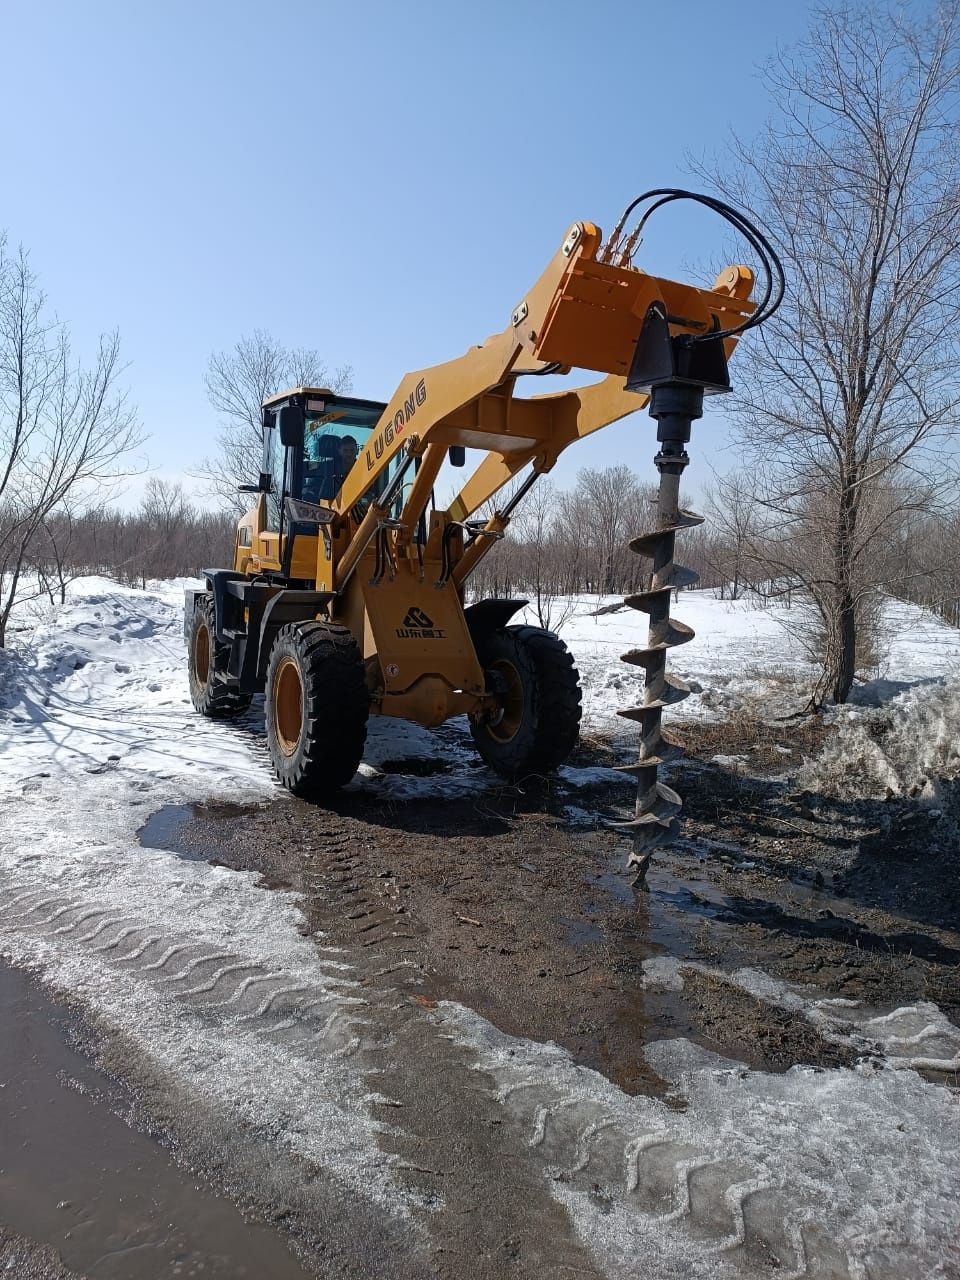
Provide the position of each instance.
(336, 706)
(215, 700)
(556, 706)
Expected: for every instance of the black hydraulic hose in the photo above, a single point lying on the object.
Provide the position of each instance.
(774, 279)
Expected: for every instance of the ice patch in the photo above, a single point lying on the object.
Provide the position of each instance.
(593, 776)
(574, 816)
(917, 1036)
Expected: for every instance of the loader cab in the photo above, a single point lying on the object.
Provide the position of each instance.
(314, 464)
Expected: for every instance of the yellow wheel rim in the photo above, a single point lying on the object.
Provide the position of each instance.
(201, 654)
(288, 705)
(511, 701)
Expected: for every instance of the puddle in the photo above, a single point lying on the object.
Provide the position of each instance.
(109, 1200)
(161, 830)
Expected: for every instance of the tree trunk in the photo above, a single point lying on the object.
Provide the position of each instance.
(846, 642)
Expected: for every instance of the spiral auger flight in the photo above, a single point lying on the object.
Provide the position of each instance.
(656, 817)
(677, 360)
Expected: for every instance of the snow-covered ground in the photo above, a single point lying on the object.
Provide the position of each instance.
(738, 654)
(209, 976)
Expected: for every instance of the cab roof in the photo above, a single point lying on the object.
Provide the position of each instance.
(320, 393)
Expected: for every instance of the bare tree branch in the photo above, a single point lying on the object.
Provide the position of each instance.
(237, 383)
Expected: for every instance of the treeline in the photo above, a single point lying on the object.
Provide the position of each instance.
(575, 542)
(560, 543)
(168, 536)
(565, 542)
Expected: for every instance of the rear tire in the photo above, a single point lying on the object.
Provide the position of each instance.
(316, 708)
(540, 702)
(206, 660)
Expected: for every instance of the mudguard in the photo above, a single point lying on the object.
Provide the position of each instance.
(489, 615)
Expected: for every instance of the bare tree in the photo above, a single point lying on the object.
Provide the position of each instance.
(237, 383)
(614, 506)
(729, 547)
(64, 429)
(538, 528)
(850, 392)
(51, 554)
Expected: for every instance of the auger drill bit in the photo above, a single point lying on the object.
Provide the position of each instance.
(656, 819)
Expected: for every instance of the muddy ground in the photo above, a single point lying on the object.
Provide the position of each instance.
(514, 901)
(83, 1182)
(502, 902)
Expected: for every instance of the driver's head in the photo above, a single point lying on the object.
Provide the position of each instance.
(348, 452)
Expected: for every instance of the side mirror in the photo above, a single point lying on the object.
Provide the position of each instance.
(458, 455)
(290, 423)
(262, 485)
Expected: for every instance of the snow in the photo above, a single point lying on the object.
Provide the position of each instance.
(101, 686)
(112, 647)
(740, 653)
(206, 973)
(906, 1036)
(909, 746)
(839, 1147)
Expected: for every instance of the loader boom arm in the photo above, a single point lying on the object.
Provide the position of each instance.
(347, 593)
(581, 313)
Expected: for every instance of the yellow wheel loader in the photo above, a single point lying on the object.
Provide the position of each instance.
(347, 594)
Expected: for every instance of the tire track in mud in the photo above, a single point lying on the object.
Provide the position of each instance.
(359, 1015)
(638, 1178)
(239, 1037)
(669, 1181)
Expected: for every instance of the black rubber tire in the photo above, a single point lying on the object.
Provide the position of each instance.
(334, 708)
(205, 659)
(548, 702)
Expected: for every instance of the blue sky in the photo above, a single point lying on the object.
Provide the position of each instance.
(378, 180)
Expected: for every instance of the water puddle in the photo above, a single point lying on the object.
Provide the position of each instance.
(109, 1200)
(161, 830)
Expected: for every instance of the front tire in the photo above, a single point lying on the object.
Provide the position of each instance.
(316, 708)
(538, 720)
(206, 660)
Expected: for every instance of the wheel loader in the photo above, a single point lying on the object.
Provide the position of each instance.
(349, 587)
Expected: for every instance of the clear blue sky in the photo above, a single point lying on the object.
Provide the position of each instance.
(378, 180)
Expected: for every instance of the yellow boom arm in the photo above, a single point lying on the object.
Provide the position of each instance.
(581, 313)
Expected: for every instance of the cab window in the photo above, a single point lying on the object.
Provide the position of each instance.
(333, 440)
(273, 458)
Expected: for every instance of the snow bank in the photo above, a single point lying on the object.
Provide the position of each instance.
(99, 683)
(909, 746)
